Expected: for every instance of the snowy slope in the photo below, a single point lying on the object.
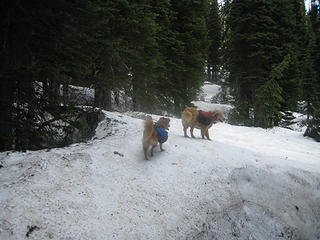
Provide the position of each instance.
(208, 91)
(247, 183)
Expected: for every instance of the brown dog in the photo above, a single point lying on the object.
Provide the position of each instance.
(152, 136)
(190, 118)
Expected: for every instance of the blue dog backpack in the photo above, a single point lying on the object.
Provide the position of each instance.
(162, 134)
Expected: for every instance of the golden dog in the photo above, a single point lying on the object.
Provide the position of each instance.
(190, 119)
(151, 136)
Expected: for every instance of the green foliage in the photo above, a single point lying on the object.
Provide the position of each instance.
(266, 57)
(271, 49)
(190, 51)
(267, 104)
(214, 36)
(311, 84)
(154, 51)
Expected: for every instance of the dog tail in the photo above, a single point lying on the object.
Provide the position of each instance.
(148, 126)
(147, 135)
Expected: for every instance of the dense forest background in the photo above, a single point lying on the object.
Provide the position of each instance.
(156, 53)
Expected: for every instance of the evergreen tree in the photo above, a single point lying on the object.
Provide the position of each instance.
(250, 37)
(16, 75)
(214, 36)
(143, 54)
(108, 50)
(154, 51)
(312, 78)
(42, 42)
(190, 51)
(294, 48)
(168, 45)
(266, 40)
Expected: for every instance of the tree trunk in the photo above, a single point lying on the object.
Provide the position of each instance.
(116, 98)
(209, 72)
(102, 98)
(45, 86)
(307, 131)
(54, 89)
(6, 102)
(135, 99)
(177, 107)
(214, 74)
(65, 92)
(107, 99)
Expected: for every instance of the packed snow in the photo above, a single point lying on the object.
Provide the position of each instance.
(246, 183)
(208, 91)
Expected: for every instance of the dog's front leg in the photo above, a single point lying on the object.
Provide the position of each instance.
(202, 133)
(161, 147)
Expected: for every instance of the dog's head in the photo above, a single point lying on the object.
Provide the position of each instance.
(217, 116)
(164, 122)
(148, 117)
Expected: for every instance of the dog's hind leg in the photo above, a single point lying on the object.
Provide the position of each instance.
(145, 150)
(185, 131)
(185, 127)
(207, 134)
(152, 150)
(191, 132)
(145, 153)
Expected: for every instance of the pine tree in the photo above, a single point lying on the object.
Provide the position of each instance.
(15, 75)
(312, 78)
(46, 43)
(266, 39)
(214, 36)
(107, 49)
(190, 51)
(294, 49)
(168, 45)
(250, 50)
(154, 51)
(143, 53)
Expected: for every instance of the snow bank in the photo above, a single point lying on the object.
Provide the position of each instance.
(208, 91)
(225, 108)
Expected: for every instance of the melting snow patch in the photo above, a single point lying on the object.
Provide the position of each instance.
(244, 220)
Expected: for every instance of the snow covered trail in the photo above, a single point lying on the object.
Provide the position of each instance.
(247, 183)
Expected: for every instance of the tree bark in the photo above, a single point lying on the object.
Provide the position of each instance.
(6, 102)
(102, 98)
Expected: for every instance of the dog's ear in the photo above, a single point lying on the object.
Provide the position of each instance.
(148, 117)
(167, 120)
(221, 116)
(164, 122)
(161, 121)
